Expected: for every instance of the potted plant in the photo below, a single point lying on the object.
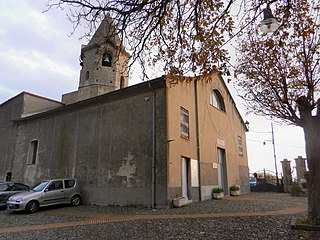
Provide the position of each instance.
(234, 190)
(217, 193)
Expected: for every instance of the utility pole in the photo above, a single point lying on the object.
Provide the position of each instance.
(274, 154)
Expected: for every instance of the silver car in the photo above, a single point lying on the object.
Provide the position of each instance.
(46, 193)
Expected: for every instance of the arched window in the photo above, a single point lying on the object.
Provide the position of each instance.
(106, 60)
(217, 100)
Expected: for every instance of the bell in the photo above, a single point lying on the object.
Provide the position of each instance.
(269, 23)
(106, 61)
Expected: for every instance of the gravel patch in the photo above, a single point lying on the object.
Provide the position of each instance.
(231, 227)
(18, 219)
(211, 228)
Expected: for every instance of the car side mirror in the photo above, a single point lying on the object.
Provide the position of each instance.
(46, 190)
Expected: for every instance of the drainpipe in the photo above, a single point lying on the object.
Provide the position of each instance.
(197, 134)
(153, 163)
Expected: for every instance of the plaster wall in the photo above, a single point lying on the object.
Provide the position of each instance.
(107, 145)
(35, 104)
(222, 129)
(216, 129)
(24, 104)
(9, 110)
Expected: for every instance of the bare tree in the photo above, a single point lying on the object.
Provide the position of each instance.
(279, 77)
(181, 37)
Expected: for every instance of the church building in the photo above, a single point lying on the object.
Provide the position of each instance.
(144, 144)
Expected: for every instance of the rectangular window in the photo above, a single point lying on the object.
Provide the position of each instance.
(184, 122)
(33, 152)
(69, 183)
(240, 148)
(8, 176)
(121, 82)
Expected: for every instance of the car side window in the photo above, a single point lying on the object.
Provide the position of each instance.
(19, 186)
(56, 185)
(11, 188)
(69, 183)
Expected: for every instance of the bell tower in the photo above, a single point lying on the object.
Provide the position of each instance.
(104, 65)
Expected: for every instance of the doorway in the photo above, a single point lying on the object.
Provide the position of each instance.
(222, 170)
(185, 177)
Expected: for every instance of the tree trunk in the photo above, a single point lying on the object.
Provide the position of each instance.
(312, 138)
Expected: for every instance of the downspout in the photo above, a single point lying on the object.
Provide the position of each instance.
(197, 134)
(153, 161)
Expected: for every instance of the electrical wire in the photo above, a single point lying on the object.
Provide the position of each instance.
(280, 145)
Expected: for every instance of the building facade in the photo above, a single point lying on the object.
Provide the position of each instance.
(144, 144)
(211, 150)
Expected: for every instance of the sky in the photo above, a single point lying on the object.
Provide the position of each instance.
(38, 55)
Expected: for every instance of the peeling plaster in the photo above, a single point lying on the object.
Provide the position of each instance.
(127, 170)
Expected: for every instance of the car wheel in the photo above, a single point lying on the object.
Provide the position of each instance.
(32, 206)
(75, 200)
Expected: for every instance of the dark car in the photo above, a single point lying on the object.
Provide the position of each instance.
(7, 189)
(253, 182)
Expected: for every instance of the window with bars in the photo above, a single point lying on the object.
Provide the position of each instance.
(240, 148)
(184, 123)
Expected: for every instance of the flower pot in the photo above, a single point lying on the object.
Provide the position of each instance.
(217, 195)
(235, 193)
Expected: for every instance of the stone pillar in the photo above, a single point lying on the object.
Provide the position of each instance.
(301, 169)
(287, 177)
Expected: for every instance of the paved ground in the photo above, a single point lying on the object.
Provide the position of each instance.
(254, 216)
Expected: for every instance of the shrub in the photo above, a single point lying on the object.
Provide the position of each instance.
(302, 221)
(295, 190)
(217, 190)
(234, 188)
(304, 183)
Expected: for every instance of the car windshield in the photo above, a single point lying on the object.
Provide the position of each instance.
(3, 187)
(40, 186)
